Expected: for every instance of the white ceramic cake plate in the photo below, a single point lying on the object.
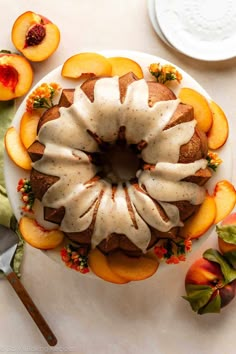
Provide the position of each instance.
(14, 173)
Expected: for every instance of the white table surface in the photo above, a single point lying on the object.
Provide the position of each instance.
(92, 316)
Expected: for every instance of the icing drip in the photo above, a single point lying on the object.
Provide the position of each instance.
(68, 141)
(113, 217)
(165, 184)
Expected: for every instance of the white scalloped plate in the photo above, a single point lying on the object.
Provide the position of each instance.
(14, 173)
(204, 30)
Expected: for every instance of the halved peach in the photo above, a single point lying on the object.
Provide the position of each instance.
(16, 150)
(37, 236)
(99, 265)
(122, 66)
(219, 131)
(225, 199)
(35, 36)
(200, 222)
(28, 127)
(86, 65)
(16, 76)
(202, 111)
(133, 268)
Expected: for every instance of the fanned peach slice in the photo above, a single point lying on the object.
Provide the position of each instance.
(16, 150)
(122, 66)
(99, 265)
(28, 127)
(16, 76)
(86, 65)
(35, 36)
(37, 236)
(225, 199)
(219, 131)
(202, 111)
(133, 268)
(200, 222)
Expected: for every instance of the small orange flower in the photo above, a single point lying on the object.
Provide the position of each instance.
(213, 160)
(182, 257)
(27, 195)
(173, 260)
(42, 96)
(165, 73)
(76, 259)
(188, 244)
(160, 251)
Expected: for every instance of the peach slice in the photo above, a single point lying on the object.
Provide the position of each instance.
(16, 76)
(225, 199)
(28, 128)
(202, 111)
(16, 150)
(37, 236)
(200, 222)
(133, 268)
(34, 36)
(122, 66)
(99, 265)
(219, 131)
(86, 65)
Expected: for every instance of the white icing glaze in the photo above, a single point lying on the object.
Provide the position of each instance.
(130, 210)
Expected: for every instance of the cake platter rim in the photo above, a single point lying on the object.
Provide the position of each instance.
(13, 173)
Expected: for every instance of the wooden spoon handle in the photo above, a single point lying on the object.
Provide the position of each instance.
(32, 309)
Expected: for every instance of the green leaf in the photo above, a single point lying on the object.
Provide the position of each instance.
(214, 306)
(7, 110)
(5, 51)
(5, 209)
(214, 256)
(198, 295)
(231, 258)
(227, 233)
(210, 164)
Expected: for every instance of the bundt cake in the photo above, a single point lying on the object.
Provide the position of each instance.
(119, 163)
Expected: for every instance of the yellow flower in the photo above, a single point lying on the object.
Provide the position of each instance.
(155, 68)
(42, 96)
(165, 73)
(213, 160)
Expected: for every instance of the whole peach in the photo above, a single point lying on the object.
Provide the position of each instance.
(207, 277)
(204, 272)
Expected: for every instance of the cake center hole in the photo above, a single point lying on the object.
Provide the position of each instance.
(119, 164)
